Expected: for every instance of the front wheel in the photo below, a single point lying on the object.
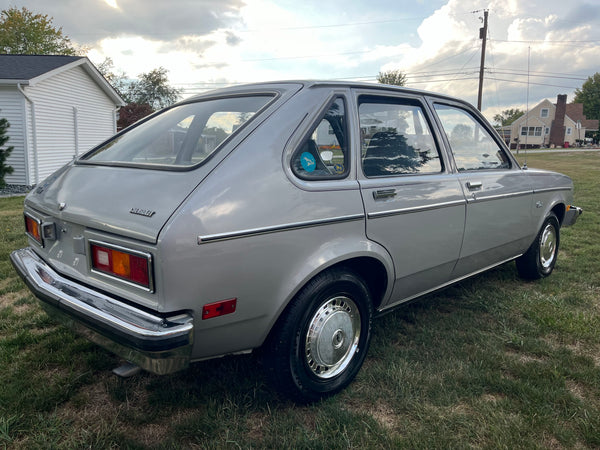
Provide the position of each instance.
(540, 258)
(319, 344)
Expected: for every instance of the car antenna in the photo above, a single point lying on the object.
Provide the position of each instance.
(527, 107)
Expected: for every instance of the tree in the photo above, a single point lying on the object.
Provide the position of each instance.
(131, 113)
(508, 116)
(118, 80)
(4, 154)
(23, 32)
(152, 88)
(589, 95)
(394, 77)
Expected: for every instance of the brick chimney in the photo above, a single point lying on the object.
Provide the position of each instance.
(557, 130)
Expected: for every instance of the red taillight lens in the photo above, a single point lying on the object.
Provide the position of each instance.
(121, 264)
(33, 228)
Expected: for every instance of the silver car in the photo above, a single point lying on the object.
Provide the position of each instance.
(282, 216)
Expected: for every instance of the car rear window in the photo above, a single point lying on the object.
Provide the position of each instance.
(180, 137)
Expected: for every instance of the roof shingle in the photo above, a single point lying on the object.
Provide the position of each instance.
(26, 67)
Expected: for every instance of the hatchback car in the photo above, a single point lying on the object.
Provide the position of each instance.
(282, 216)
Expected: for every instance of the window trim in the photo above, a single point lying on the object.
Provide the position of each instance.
(547, 113)
(315, 124)
(404, 101)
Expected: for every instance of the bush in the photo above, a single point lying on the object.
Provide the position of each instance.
(4, 153)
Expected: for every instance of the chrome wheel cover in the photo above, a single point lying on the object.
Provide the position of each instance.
(332, 337)
(548, 246)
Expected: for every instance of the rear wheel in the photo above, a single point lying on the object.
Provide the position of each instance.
(318, 346)
(540, 258)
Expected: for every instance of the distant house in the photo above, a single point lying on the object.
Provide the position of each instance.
(551, 125)
(57, 107)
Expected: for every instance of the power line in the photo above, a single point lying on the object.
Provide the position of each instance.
(537, 84)
(590, 43)
(520, 73)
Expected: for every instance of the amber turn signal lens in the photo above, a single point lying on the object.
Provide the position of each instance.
(32, 228)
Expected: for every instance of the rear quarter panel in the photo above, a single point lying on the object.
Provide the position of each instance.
(551, 191)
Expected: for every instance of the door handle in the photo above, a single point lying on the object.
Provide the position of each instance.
(384, 193)
(472, 185)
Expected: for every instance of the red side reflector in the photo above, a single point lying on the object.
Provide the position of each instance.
(217, 309)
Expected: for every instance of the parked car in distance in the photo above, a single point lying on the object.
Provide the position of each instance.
(282, 216)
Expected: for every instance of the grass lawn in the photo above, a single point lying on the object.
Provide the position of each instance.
(491, 362)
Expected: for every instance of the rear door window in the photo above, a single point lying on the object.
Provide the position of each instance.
(396, 138)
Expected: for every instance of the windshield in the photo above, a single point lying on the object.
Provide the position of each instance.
(180, 137)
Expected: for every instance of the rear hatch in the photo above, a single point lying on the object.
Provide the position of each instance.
(129, 202)
(130, 185)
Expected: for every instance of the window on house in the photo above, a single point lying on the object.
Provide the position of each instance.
(544, 112)
(531, 131)
(547, 131)
(569, 131)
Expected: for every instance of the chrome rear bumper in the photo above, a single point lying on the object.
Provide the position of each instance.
(157, 344)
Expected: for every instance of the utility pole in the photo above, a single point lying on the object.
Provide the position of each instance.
(483, 37)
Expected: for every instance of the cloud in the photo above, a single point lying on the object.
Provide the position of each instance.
(523, 34)
(211, 43)
(232, 39)
(88, 22)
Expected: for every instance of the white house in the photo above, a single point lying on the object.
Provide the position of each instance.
(58, 107)
(550, 124)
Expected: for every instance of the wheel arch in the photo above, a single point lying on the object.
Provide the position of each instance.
(559, 210)
(374, 265)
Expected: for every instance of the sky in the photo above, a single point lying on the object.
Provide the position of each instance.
(536, 49)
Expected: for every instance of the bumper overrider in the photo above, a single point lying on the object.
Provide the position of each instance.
(157, 344)
(571, 215)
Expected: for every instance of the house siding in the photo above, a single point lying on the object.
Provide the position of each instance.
(12, 108)
(72, 114)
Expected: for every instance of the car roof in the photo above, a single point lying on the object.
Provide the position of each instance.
(275, 85)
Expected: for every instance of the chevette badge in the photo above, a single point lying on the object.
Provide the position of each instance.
(142, 212)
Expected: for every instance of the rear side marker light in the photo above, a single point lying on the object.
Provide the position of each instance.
(33, 227)
(120, 263)
(218, 309)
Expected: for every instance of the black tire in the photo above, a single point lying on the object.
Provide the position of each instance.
(540, 258)
(319, 344)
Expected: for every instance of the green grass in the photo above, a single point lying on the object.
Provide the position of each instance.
(491, 362)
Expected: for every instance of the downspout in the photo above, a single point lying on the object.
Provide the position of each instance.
(34, 144)
(116, 119)
(76, 131)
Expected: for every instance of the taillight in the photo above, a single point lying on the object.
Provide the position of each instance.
(127, 265)
(33, 227)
